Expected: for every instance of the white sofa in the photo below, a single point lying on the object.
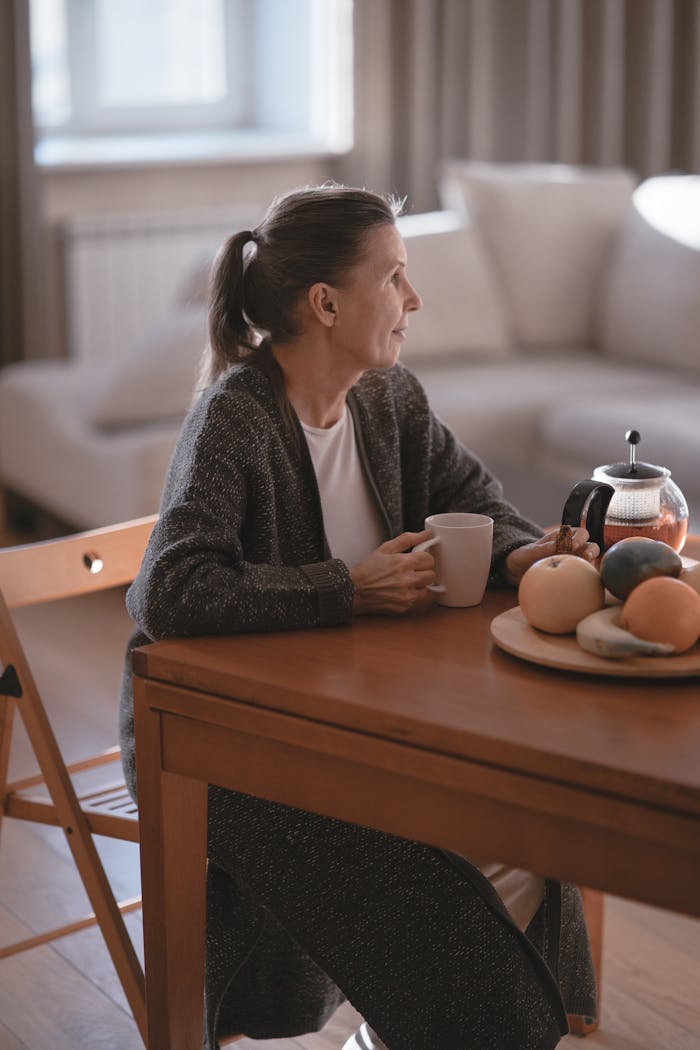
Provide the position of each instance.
(561, 308)
(581, 321)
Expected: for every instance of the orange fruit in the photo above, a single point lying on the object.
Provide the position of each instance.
(663, 609)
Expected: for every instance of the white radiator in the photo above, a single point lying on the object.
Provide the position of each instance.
(123, 272)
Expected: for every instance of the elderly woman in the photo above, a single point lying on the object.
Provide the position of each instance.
(296, 494)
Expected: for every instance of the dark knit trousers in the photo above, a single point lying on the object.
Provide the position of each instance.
(407, 935)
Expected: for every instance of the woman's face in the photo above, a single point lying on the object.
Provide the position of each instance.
(373, 304)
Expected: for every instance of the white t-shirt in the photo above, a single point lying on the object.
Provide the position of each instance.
(351, 516)
(353, 527)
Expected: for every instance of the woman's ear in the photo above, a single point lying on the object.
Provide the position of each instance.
(322, 301)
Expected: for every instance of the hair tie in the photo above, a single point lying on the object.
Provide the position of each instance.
(250, 248)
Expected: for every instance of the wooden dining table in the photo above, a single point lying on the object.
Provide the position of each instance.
(421, 727)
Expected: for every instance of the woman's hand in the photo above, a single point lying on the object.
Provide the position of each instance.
(391, 581)
(523, 557)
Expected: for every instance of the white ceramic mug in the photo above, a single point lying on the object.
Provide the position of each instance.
(462, 545)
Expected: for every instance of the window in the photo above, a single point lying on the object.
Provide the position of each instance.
(110, 69)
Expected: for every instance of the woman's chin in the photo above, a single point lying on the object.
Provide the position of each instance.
(390, 359)
(395, 347)
(385, 357)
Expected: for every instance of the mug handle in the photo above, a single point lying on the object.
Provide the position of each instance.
(436, 588)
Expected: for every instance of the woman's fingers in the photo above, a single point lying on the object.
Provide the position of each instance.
(405, 541)
(581, 544)
(423, 578)
(520, 559)
(579, 540)
(420, 560)
(394, 579)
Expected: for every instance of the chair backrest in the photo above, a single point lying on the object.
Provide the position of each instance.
(42, 572)
(72, 565)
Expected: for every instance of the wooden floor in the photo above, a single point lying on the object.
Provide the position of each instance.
(66, 996)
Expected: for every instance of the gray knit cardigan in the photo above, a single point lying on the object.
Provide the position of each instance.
(304, 910)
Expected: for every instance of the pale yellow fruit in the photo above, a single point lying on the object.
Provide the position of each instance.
(558, 591)
(691, 576)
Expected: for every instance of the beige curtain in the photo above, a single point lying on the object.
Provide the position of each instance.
(21, 261)
(573, 81)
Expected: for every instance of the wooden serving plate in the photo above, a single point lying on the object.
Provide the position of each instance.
(512, 633)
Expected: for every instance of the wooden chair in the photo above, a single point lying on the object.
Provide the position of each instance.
(33, 574)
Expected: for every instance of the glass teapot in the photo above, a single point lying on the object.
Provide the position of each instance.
(629, 499)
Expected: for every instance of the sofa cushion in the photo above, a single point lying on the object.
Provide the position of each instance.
(495, 407)
(463, 312)
(155, 378)
(651, 304)
(50, 453)
(550, 230)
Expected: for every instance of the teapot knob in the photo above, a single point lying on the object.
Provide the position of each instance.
(633, 437)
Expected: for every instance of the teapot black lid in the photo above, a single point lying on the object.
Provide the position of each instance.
(632, 469)
(638, 470)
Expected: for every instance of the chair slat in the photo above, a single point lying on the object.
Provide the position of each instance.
(69, 566)
(123, 825)
(132, 904)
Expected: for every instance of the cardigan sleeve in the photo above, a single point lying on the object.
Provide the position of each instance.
(460, 481)
(195, 578)
(422, 469)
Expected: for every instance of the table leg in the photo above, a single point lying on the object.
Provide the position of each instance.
(184, 873)
(173, 833)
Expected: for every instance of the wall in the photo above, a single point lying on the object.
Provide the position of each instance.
(66, 193)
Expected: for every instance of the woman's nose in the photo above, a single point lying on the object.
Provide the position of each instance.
(413, 300)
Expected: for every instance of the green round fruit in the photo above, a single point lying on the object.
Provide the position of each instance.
(637, 558)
